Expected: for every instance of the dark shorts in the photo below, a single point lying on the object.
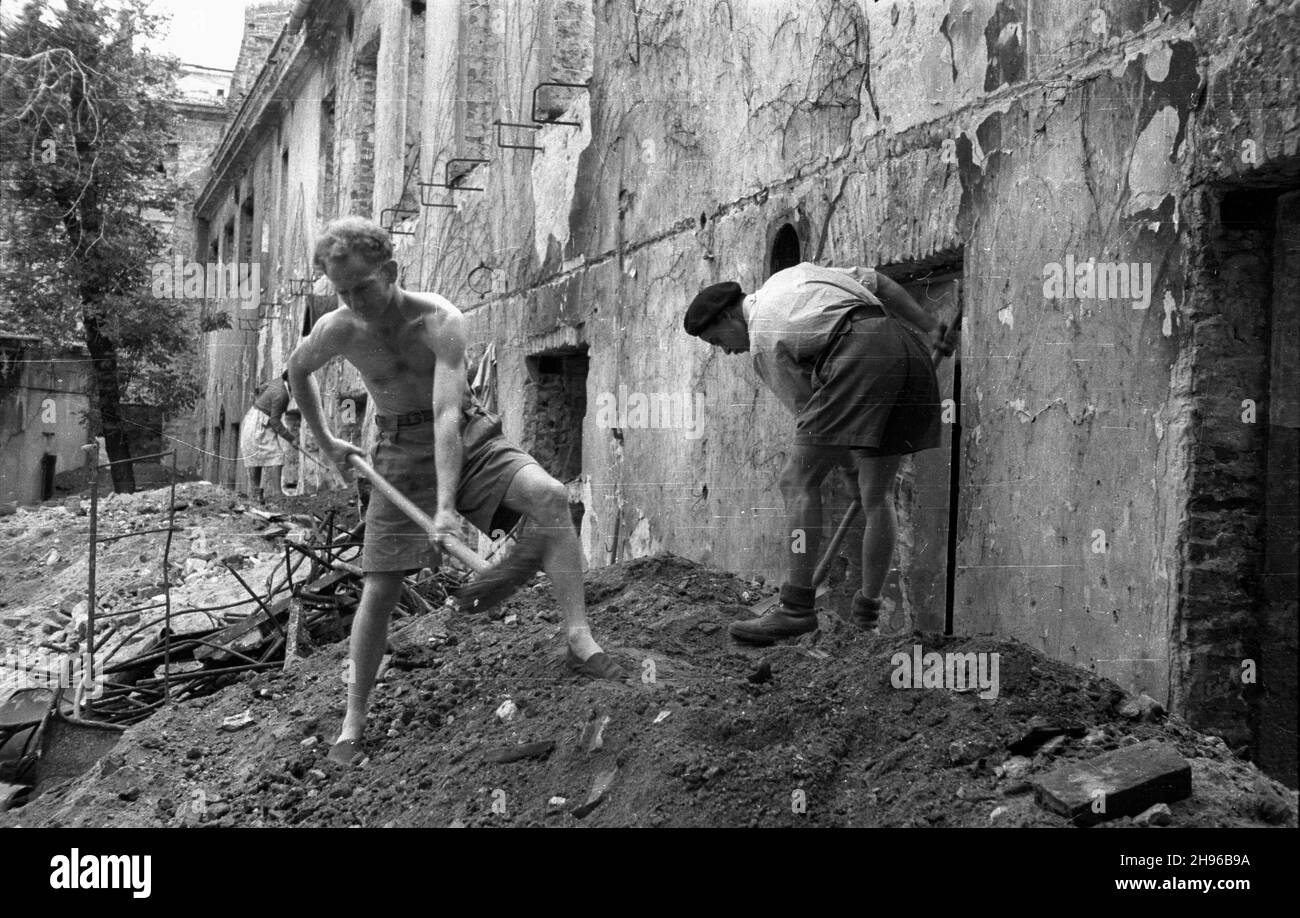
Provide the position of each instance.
(405, 457)
(874, 390)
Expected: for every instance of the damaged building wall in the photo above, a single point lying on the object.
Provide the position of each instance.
(684, 186)
(1038, 147)
(1235, 631)
(43, 409)
(316, 129)
(203, 109)
(1029, 147)
(224, 237)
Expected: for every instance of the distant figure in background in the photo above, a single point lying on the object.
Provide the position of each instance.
(259, 439)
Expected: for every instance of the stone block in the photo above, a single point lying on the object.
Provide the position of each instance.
(1121, 783)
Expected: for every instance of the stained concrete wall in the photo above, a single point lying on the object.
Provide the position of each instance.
(1013, 138)
(1017, 135)
(43, 405)
(201, 124)
(296, 163)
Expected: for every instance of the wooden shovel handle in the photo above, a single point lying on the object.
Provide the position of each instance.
(833, 547)
(454, 546)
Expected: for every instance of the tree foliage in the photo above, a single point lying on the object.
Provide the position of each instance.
(86, 116)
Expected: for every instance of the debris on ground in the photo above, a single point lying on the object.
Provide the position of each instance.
(690, 738)
(1125, 782)
(229, 594)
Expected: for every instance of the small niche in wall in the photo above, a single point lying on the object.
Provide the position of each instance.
(555, 403)
(786, 249)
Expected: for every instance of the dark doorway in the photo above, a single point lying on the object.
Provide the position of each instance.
(918, 593)
(1237, 607)
(928, 484)
(1281, 586)
(554, 405)
(787, 249)
(232, 475)
(48, 462)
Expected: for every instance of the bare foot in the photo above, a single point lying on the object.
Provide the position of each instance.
(582, 644)
(352, 729)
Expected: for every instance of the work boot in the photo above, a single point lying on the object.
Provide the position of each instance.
(794, 616)
(866, 612)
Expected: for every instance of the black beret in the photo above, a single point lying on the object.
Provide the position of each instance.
(708, 303)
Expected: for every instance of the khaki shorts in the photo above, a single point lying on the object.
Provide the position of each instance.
(874, 391)
(404, 456)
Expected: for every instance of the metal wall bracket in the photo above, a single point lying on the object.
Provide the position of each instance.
(398, 213)
(300, 286)
(480, 279)
(515, 146)
(450, 182)
(266, 313)
(557, 85)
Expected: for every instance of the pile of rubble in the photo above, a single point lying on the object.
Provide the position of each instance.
(192, 589)
(230, 591)
(477, 721)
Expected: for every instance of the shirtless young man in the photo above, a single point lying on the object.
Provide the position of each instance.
(436, 446)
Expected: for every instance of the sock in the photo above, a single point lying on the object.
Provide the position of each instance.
(798, 597)
(866, 608)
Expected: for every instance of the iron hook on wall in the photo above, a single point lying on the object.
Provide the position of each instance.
(556, 85)
(452, 182)
(399, 214)
(515, 146)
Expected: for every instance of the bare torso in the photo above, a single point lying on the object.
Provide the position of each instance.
(396, 361)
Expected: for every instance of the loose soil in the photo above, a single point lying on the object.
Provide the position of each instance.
(701, 733)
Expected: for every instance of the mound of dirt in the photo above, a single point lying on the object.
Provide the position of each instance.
(477, 722)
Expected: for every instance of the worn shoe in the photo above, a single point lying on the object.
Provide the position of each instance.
(866, 612)
(348, 753)
(781, 622)
(599, 665)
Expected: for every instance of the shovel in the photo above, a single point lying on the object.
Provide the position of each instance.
(824, 565)
(454, 547)
(492, 583)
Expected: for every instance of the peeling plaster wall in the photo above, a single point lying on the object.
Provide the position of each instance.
(369, 174)
(1019, 133)
(202, 123)
(43, 405)
(1026, 138)
(1069, 396)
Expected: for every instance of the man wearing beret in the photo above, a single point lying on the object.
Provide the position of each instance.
(837, 347)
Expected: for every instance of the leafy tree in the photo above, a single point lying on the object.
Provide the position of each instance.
(85, 119)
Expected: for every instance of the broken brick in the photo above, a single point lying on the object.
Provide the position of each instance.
(506, 754)
(1120, 783)
(599, 788)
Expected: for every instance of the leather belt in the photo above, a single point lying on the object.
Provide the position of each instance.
(867, 311)
(410, 419)
(859, 313)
